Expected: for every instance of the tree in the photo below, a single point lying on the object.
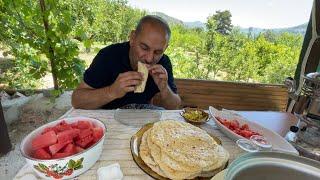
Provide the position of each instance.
(44, 35)
(220, 22)
(38, 34)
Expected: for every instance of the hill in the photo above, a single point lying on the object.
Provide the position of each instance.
(169, 19)
(300, 29)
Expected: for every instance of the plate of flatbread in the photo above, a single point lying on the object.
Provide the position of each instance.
(171, 149)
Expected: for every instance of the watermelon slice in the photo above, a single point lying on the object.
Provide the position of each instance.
(41, 154)
(61, 155)
(70, 148)
(97, 133)
(44, 140)
(84, 142)
(65, 139)
(74, 125)
(63, 126)
(79, 149)
(56, 147)
(84, 133)
(49, 129)
(68, 135)
(84, 125)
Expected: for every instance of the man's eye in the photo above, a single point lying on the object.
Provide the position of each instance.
(144, 48)
(158, 52)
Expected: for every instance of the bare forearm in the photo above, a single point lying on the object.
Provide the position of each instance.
(91, 98)
(169, 99)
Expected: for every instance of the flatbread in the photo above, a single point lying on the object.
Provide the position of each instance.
(179, 150)
(185, 143)
(156, 153)
(145, 155)
(143, 69)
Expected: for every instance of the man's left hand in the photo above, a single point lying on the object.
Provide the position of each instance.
(160, 76)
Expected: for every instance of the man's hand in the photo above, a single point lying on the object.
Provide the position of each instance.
(160, 76)
(125, 83)
(168, 99)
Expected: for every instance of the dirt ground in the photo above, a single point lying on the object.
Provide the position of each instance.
(30, 119)
(13, 161)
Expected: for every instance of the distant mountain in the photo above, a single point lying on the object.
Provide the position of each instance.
(169, 19)
(300, 29)
(195, 24)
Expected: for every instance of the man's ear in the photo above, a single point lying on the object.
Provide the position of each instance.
(132, 37)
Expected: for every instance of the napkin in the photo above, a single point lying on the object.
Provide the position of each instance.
(111, 172)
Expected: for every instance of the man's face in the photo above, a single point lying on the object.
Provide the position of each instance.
(148, 46)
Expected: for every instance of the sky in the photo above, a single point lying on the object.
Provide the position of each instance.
(245, 13)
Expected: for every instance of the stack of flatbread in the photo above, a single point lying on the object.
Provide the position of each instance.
(179, 150)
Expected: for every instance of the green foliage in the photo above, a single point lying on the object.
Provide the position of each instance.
(38, 35)
(234, 57)
(44, 37)
(113, 20)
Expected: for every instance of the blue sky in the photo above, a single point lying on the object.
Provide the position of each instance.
(245, 13)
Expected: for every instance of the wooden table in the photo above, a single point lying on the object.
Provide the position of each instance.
(116, 147)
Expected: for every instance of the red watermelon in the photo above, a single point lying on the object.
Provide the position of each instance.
(65, 139)
(44, 140)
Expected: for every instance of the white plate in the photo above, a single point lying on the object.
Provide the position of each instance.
(278, 142)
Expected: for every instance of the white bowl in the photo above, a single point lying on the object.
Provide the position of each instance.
(278, 142)
(79, 163)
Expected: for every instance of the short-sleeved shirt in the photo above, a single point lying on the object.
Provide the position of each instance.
(113, 60)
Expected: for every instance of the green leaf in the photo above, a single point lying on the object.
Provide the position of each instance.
(78, 167)
(71, 164)
(43, 167)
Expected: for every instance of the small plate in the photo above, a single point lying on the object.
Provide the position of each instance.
(201, 120)
(278, 142)
(135, 145)
(137, 117)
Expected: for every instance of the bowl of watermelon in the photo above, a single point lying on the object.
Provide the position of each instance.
(64, 148)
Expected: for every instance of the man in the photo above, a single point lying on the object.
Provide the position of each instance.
(111, 79)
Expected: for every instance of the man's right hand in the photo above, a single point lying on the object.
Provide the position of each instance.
(125, 83)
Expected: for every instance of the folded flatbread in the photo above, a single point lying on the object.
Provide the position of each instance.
(143, 69)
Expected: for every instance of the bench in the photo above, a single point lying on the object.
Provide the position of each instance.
(232, 95)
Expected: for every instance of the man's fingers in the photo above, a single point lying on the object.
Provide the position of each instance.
(155, 71)
(131, 75)
(129, 89)
(156, 66)
(159, 75)
(130, 83)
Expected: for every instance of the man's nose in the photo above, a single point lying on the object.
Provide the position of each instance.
(149, 58)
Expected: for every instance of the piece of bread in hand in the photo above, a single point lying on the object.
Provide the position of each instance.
(143, 69)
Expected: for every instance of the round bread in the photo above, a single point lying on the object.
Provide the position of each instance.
(155, 152)
(185, 143)
(179, 150)
(145, 155)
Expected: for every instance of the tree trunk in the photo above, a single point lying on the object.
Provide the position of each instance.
(5, 145)
(51, 52)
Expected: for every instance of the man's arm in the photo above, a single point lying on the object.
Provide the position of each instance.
(86, 97)
(169, 99)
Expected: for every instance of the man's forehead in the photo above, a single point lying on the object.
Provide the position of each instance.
(152, 27)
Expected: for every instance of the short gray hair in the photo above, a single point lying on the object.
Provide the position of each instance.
(154, 19)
